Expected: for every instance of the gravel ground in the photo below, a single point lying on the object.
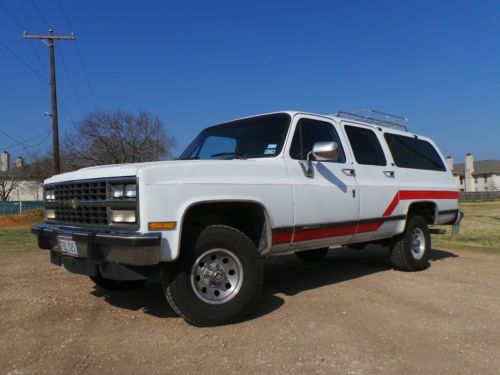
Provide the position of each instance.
(348, 314)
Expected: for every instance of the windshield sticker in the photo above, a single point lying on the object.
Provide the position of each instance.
(270, 151)
(272, 145)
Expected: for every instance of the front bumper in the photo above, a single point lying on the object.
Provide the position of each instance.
(95, 246)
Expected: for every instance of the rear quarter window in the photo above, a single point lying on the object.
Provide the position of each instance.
(414, 153)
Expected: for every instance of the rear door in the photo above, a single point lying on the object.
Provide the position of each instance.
(325, 204)
(376, 179)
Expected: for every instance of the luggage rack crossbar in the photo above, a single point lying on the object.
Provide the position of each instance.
(384, 119)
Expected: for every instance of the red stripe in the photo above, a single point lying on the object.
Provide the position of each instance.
(279, 238)
(419, 194)
(312, 234)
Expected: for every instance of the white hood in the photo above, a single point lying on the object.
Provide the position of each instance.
(103, 171)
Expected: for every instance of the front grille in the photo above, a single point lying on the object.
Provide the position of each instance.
(86, 202)
(82, 215)
(81, 191)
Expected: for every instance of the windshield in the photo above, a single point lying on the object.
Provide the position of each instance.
(255, 137)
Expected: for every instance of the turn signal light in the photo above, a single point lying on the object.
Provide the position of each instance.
(162, 225)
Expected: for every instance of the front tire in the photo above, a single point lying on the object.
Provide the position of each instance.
(410, 250)
(216, 281)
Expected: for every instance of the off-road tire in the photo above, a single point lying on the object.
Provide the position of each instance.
(180, 292)
(401, 254)
(312, 255)
(117, 285)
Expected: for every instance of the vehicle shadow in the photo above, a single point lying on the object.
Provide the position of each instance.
(282, 274)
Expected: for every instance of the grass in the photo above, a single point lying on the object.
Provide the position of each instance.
(16, 241)
(479, 229)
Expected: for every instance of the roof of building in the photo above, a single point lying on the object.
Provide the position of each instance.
(480, 167)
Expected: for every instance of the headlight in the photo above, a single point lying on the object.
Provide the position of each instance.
(131, 191)
(123, 216)
(50, 195)
(50, 214)
(117, 191)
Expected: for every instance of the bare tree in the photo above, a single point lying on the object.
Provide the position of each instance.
(9, 181)
(119, 137)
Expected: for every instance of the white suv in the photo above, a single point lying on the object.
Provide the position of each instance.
(286, 182)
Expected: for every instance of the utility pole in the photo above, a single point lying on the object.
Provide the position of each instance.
(49, 41)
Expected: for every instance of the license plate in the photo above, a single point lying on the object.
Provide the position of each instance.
(68, 246)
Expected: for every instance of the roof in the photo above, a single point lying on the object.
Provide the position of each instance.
(480, 167)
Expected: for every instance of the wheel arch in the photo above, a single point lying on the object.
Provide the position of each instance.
(223, 211)
(427, 209)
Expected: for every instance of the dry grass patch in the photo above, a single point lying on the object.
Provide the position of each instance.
(479, 229)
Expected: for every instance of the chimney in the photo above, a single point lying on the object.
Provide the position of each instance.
(469, 169)
(5, 161)
(449, 161)
(19, 162)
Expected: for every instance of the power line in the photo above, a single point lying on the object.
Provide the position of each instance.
(23, 143)
(65, 111)
(79, 54)
(40, 13)
(19, 24)
(39, 143)
(24, 62)
(70, 79)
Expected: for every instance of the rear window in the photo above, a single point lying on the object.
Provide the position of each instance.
(415, 153)
(365, 146)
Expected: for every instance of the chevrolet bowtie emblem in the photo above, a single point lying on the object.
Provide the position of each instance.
(74, 204)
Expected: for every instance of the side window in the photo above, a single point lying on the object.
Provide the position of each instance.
(215, 144)
(308, 132)
(365, 146)
(415, 153)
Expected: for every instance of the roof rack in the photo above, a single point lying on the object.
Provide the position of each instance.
(383, 119)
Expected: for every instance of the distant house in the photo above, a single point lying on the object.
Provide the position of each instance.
(482, 175)
(18, 181)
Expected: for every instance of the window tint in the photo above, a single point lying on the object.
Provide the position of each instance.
(308, 132)
(215, 144)
(414, 153)
(254, 137)
(365, 146)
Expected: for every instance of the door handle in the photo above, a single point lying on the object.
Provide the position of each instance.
(348, 171)
(389, 174)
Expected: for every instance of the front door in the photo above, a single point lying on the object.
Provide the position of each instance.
(326, 203)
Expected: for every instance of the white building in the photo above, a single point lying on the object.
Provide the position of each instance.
(27, 188)
(471, 176)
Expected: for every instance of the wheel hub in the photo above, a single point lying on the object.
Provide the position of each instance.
(216, 276)
(417, 244)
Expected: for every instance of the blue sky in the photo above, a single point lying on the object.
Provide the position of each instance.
(198, 63)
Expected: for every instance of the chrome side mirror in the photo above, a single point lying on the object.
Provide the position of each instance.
(326, 151)
(321, 151)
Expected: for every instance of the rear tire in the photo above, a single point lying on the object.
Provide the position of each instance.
(117, 285)
(410, 250)
(312, 255)
(216, 281)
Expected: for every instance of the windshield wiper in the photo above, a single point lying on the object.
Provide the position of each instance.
(236, 155)
(190, 158)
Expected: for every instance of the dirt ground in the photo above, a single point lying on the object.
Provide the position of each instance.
(349, 314)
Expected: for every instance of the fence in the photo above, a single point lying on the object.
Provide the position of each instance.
(14, 208)
(480, 195)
